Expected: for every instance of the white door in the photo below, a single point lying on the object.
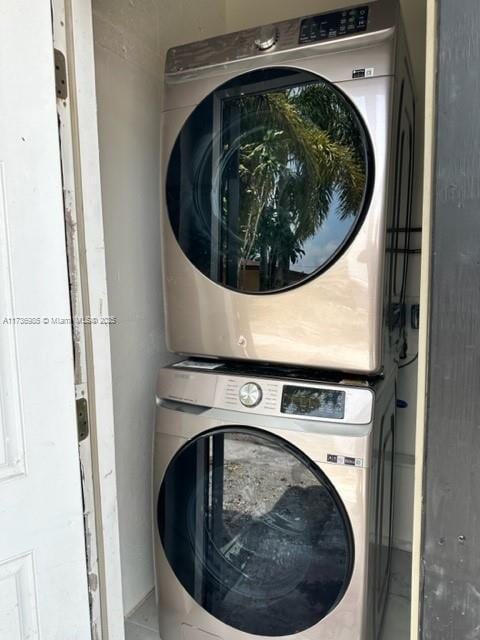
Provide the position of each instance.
(43, 585)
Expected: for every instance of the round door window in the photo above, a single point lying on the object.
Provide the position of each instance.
(255, 532)
(268, 180)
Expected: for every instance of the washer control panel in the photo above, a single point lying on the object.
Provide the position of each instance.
(250, 394)
(308, 401)
(282, 398)
(313, 403)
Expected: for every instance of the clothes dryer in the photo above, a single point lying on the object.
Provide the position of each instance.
(287, 182)
(273, 504)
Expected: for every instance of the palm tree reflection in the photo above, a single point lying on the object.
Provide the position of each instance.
(299, 155)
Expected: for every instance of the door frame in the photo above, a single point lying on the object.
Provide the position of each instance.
(77, 113)
(101, 484)
(424, 326)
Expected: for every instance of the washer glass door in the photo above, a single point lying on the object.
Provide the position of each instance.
(268, 180)
(255, 532)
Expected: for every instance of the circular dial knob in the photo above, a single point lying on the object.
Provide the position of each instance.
(267, 37)
(250, 394)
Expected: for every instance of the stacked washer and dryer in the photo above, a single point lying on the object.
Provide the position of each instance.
(287, 174)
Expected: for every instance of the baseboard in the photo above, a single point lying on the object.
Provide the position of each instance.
(140, 603)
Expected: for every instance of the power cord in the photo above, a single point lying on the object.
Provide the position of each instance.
(402, 366)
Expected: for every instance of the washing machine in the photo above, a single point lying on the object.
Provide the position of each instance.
(272, 502)
(287, 168)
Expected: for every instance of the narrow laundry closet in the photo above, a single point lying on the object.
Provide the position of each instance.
(137, 160)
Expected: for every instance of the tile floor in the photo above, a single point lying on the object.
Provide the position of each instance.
(143, 625)
(397, 616)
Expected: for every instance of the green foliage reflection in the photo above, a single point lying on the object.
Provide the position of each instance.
(300, 157)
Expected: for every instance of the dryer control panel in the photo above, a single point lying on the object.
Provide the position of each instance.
(266, 396)
(288, 37)
(333, 25)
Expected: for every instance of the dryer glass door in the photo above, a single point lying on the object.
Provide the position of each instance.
(255, 532)
(269, 179)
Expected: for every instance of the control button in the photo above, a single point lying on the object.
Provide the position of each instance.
(250, 394)
(267, 37)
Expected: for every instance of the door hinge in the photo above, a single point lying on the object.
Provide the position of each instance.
(60, 74)
(82, 419)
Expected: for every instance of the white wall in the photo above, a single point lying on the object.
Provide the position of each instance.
(243, 14)
(131, 37)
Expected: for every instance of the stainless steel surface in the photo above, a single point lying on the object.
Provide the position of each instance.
(176, 607)
(250, 394)
(333, 321)
(348, 620)
(336, 320)
(337, 65)
(228, 49)
(267, 37)
(222, 391)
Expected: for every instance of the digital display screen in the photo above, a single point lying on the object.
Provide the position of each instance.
(333, 25)
(314, 403)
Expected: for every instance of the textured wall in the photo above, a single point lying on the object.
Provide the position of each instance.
(131, 37)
